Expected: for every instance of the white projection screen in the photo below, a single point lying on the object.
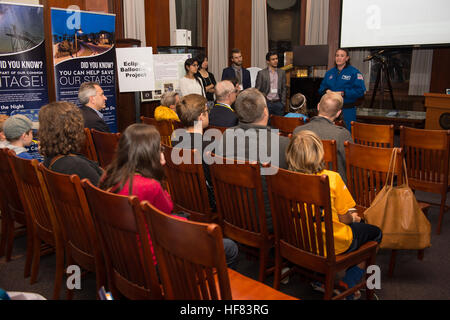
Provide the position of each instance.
(384, 23)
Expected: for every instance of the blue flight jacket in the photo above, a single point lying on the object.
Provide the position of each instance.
(349, 80)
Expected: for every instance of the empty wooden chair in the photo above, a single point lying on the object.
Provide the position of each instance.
(105, 146)
(330, 154)
(284, 124)
(125, 244)
(12, 213)
(77, 227)
(88, 148)
(240, 206)
(37, 204)
(191, 262)
(304, 230)
(427, 162)
(374, 135)
(187, 183)
(367, 169)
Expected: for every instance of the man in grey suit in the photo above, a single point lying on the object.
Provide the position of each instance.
(272, 83)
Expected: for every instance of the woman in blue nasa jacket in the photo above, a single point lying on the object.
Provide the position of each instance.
(347, 81)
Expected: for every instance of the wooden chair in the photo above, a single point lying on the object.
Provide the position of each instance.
(240, 205)
(88, 148)
(367, 169)
(373, 135)
(284, 124)
(330, 154)
(191, 261)
(187, 184)
(37, 204)
(77, 226)
(427, 162)
(165, 128)
(304, 230)
(124, 239)
(12, 212)
(105, 146)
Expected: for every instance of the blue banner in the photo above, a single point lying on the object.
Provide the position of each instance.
(23, 76)
(84, 51)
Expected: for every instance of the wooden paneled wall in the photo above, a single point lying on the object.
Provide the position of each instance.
(157, 23)
(240, 26)
(440, 75)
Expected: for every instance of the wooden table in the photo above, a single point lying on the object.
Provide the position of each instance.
(398, 118)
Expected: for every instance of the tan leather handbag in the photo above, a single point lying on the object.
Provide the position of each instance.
(396, 212)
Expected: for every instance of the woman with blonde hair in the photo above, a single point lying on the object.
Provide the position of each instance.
(305, 155)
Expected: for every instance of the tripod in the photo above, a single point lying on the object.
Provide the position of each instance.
(382, 71)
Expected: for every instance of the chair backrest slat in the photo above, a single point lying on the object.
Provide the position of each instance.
(285, 125)
(373, 135)
(330, 154)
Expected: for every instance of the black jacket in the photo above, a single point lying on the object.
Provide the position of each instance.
(92, 120)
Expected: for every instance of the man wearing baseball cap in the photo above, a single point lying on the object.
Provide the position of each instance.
(18, 133)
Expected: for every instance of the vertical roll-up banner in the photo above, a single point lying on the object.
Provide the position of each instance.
(84, 51)
(23, 76)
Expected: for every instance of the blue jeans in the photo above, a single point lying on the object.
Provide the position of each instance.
(231, 252)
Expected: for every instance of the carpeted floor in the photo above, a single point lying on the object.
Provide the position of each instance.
(412, 280)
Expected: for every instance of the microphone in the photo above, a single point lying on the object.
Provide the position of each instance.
(370, 57)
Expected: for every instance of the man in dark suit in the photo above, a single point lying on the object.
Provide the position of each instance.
(271, 81)
(222, 114)
(93, 100)
(236, 71)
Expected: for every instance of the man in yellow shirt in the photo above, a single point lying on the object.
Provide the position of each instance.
(166, 111)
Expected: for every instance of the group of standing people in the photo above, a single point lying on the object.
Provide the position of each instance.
(343, 79)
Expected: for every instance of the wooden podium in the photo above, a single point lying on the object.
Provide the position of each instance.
(438, 111)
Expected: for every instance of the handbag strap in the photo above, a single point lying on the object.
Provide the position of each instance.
(390, 174)
(57, 158)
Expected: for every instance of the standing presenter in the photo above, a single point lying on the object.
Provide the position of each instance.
(347, 81)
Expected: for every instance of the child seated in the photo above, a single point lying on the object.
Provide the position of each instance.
(297, 107)
(19, 134)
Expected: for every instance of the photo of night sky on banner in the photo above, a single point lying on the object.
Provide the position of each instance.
(84, 51)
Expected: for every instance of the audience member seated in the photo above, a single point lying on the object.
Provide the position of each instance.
(138, 170)
(62, 140)
(194, 117)
(222, 114)
(190, 83)
(3, 141)
(305, 155)
(19, 134)
(297, 107)
(166, 111)
(93, 100)
(253, 140)
(329, 109)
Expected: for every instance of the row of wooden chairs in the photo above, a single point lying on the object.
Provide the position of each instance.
(107, 234)
(241, 212)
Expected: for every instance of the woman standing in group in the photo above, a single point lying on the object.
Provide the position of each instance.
(347, 81)
(207, 78)
(190, 83)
